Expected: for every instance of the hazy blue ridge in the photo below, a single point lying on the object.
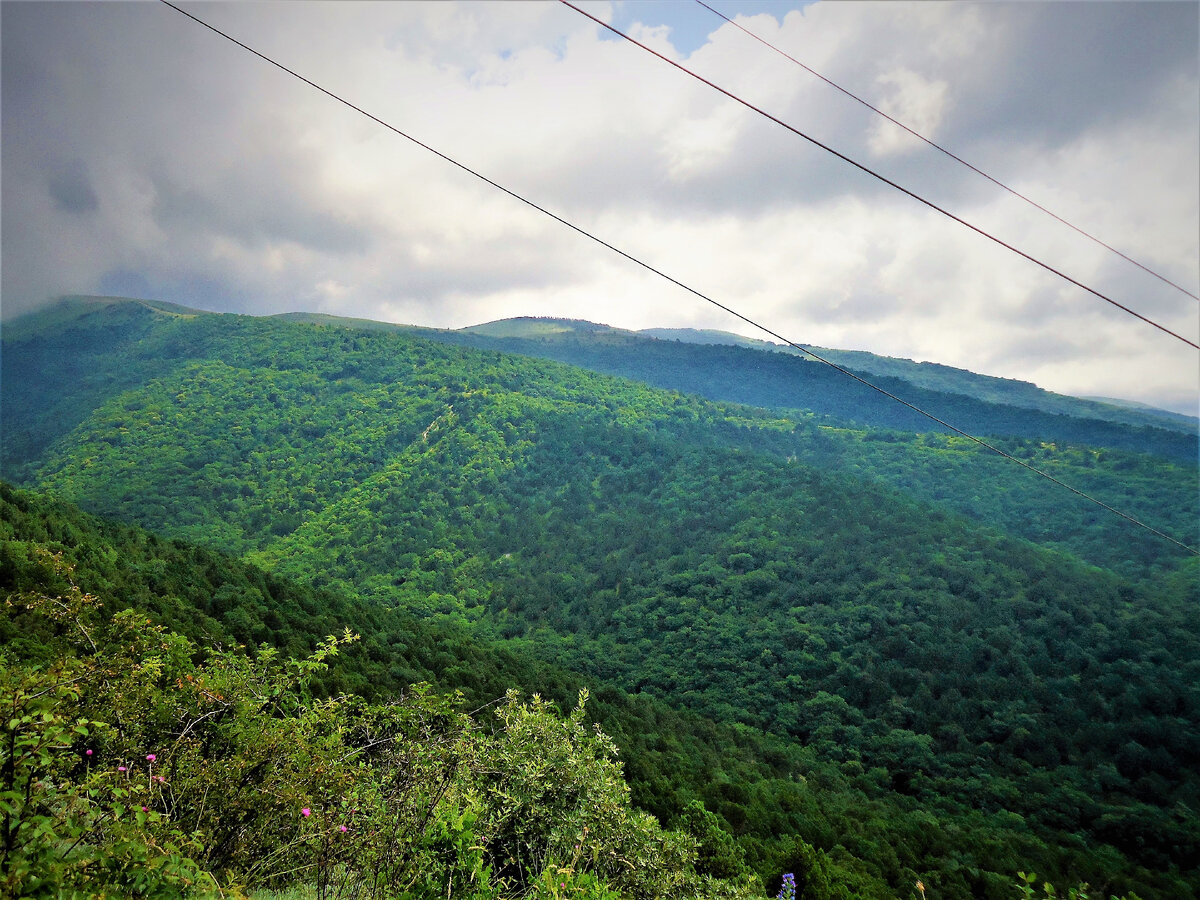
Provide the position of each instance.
(937, 376)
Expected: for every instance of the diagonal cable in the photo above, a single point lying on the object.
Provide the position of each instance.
(948, 153)
(885, 180)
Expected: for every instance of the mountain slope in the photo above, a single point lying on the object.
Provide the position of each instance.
(770, 793)
(357, 397)
(758, 567)
(776, 792)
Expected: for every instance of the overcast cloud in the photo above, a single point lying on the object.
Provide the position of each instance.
(145, 156)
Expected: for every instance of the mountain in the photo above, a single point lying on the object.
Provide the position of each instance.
(759, 374)
(553, 338)
(937, 377)
(1003, 671)
(77, 365)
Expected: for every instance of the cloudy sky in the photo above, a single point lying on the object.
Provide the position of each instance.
(145, 156)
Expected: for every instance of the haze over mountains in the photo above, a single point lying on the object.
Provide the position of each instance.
(960, 668)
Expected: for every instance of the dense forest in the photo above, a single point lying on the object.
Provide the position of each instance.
(824, 644)
(760, 377)
(255, 776)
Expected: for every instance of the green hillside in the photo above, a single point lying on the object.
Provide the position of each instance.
(1003, 674)
(269, 775)
(65, 374)
(779, 795)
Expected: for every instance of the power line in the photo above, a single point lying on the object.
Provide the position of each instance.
(942, 149)
(675, 281)
(884, 179)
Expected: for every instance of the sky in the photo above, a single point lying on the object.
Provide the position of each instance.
(142, 155)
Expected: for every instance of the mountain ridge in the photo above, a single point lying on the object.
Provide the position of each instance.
(929, 375)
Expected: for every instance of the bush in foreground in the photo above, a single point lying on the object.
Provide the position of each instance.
(138, 764)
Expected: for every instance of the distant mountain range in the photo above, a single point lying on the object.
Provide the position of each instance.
(933, 376)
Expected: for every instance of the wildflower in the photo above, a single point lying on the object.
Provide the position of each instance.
(306, 812)
(151, 757)
(787, 890)
(121, 769)
(341, 828)
(145, 809)
(89, 752)
(921, 888)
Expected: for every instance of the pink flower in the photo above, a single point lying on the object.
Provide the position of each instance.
(306, 812)
(151, 757)
(121, 769)
(89, 753)
(144, 809)
(341, 828)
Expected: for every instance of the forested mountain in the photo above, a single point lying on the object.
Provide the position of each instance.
(999, 670)
(616, 351)
(755, 375)
(948, 379)
(93, 350)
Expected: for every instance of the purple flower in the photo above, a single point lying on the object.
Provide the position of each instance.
(151, 757)
(121, 769)
(306, 812)
(89, 752)
(341, 828)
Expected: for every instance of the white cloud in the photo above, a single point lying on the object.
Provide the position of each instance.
(910, 99)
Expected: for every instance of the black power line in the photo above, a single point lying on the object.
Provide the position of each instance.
(675, 281)
(884, 179)
(942, 149)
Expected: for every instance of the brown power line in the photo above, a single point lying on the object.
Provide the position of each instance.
(948, 153)
(945, 212)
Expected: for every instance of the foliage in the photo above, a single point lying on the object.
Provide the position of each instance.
(1050, 892)
(555, 799)
(795, 621)
(249, 780)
